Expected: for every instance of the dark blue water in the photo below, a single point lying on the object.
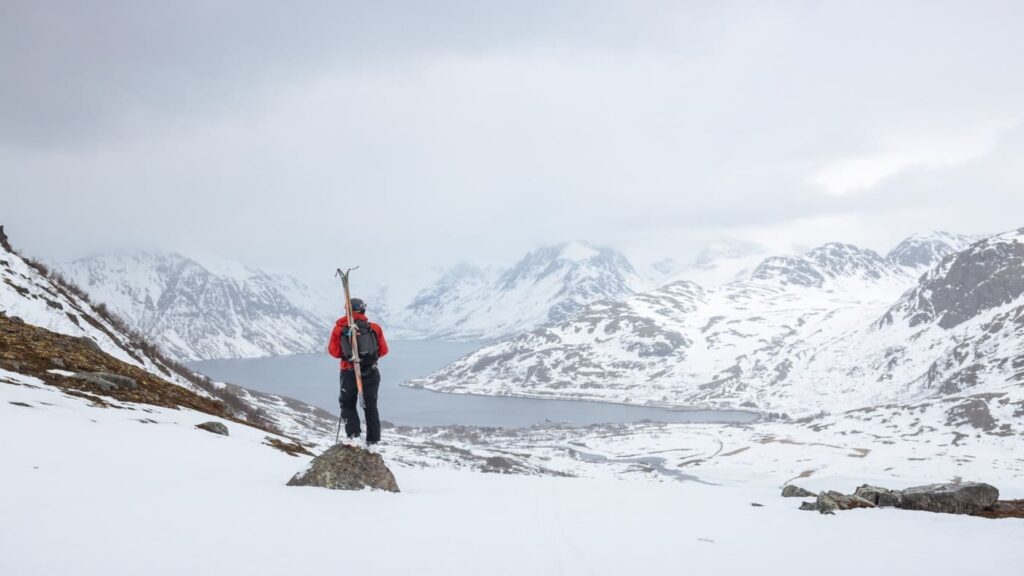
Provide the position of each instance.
(313, 378)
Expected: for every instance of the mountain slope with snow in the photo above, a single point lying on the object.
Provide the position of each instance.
(547, 285)
(802, 335)
(201, 311)
(31, 294)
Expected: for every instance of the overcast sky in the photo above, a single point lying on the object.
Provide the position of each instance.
(405, 135)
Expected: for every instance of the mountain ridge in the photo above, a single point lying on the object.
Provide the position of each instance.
(197, 314)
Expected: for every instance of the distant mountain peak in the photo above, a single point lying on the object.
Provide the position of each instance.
(927, 249)
(548, 284)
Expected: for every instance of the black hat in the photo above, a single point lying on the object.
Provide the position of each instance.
(358, 306)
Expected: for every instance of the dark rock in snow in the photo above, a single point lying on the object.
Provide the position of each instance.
(965, 498)
(345, 467)
(879, 496)
(829, 502)
(90, 343)
(1004, 509)
(215, 427)
(107, 381)
(793, 491)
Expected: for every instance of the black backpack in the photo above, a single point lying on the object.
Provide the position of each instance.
(369, 349)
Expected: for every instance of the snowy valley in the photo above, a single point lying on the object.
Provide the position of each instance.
(88, 399)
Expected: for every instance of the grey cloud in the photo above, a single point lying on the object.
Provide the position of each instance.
(475, 130)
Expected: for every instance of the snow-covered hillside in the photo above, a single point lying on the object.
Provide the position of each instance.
(32, 295)
(201, 311)
(802, 335)
(547, 285)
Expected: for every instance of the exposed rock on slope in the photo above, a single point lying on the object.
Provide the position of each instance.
(967, 284)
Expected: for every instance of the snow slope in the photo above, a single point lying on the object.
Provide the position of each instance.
(201, 311)
(801, 336)
(152, 494)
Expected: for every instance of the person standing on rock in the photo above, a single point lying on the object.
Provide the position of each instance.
(372, 346)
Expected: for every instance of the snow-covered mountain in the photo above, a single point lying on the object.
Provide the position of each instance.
(716, 264)
(836, 328)
(198, 311)
(924, 251)
(548, 285)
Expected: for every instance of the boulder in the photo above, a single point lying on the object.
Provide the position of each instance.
(345, 467)
(964, 498)
(107, 381)
(829, 502)
(793, 491)
(214, 427)
(879, 496)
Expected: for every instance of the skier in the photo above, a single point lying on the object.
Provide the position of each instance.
(371, 346)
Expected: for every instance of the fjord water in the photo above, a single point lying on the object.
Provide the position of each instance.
(313, 378)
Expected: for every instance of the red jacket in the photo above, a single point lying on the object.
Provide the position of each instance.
(334, 345)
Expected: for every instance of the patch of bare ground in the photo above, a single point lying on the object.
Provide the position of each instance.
(98, 377)
(804, 474)
(289, 448)
(1004, 509)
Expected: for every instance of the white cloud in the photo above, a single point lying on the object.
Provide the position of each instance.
(898, 155)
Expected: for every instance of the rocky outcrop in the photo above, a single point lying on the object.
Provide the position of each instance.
(792, 491)
(878, 496)
(345, 467)
(965, 498)
(973, 498)
(108, 381)
(830, 501)
(214, 427)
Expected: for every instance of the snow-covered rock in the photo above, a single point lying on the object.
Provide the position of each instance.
(202, 311)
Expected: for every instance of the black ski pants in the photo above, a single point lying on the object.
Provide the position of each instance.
(349, 398)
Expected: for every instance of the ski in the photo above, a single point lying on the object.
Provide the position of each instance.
(353, 332)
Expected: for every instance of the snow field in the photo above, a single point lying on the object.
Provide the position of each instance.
(96, 491)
